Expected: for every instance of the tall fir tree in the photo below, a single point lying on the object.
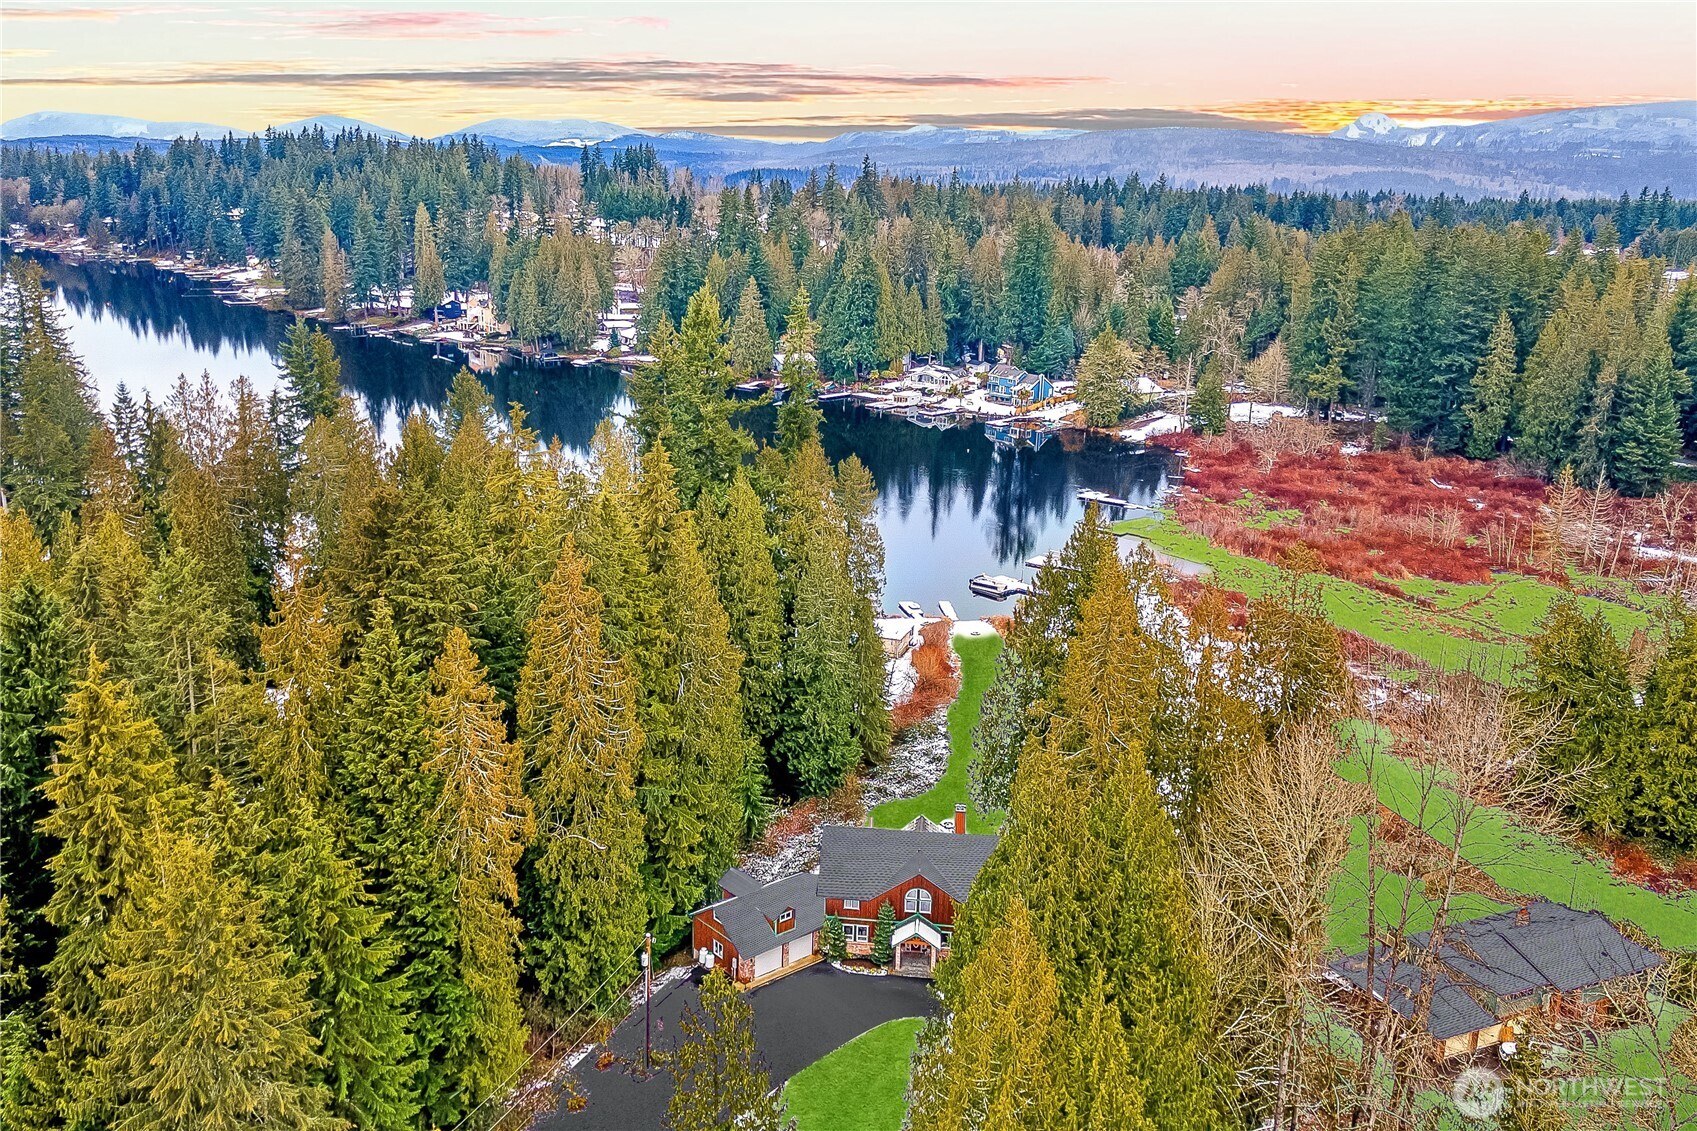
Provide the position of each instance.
(751, 339)
(581, 892)
(486, 821)
(719, 1078)
(194, 969)
(1492, 404)
(429, 284)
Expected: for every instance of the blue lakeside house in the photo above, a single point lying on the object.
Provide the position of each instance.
(1009, 384)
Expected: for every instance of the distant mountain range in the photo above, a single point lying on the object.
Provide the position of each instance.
(1589, 152)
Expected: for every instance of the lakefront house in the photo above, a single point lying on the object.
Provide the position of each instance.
(924, 872)
(1538, 966)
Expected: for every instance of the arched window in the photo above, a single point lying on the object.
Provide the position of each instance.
(917, 900)
(911, 903)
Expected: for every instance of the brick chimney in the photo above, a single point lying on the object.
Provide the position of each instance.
(1523, 916)
(960, 818)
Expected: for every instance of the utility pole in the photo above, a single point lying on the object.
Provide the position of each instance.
(647, 997)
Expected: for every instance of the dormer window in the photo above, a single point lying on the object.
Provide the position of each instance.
(786, 920)
(918, 901)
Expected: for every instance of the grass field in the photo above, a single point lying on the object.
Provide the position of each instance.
(977, 666)
(1447, 625)
(859, 1087)
(1514, 857)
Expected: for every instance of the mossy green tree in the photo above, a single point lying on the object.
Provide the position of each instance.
(883, 943)
(751, 338)
(720, 1081)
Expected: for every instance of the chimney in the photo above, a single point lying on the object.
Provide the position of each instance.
(960, 818)
(1523, 916)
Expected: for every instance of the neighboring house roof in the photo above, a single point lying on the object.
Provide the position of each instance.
(1555, 948)
(1002, 371)
(858, 863)
(748, 918)
(738, 882)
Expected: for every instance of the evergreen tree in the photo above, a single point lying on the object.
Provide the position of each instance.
(883, 944)
(720, 1080)
(194, 969)
(35, 677)
(333, 277)
(366, 261)
(1494, 387)
(991, 1060)
(429, 284)
(392, 831)
(312, 373)
(113, 780)
(833, 942)
(1208, 409)
(1645, 437)
(751, 340)
(487, 822)
(48, 415)
(999, 737)
(798, 415)
(581, 896)
(1666, 804)
(1105, 374)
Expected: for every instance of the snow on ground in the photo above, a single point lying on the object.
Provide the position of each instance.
(1055, 413)
(1248, 412)
(1158, 425)
(972, 628)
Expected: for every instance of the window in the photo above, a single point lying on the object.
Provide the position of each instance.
(857, 932)
(718, 949)
(786, 920)
(851, 905)
(918, 899)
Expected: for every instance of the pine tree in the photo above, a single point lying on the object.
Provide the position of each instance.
(798, 415)
(333, 277)
(1104, 378)
(751, 340)
(883, 944)
(35, 677)
(833, 942)
(312, 373)
(816, 745)
(1666, 805)
(581, 897)
(429, 286)
(113, 780)
(48, 416)
(1208, 411)
(991, 1061)
(334, 937)
(366, 261)
(720, 1079)
(194, 970)
(103, 583)
(487, 822)
(1494, 387)
(392, 832)
(1645, 438)
(181, 634)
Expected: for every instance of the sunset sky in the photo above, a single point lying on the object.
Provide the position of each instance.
(801, 70)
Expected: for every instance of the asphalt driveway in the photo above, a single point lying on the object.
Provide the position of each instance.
(797, 1020)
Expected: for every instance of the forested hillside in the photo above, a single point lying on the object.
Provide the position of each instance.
(336, 770)
(1540, 329)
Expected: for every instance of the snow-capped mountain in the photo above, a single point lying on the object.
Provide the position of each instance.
(551, 131)
(54, 123)
(1653, 126)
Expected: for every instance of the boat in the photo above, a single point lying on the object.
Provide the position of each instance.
(948, 610)
(1037, 562)
(1102, 498)
(912, 608)
(998, 587)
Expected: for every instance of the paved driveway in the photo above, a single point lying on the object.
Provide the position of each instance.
(797, 1020)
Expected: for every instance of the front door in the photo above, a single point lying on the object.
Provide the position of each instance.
(914, 957)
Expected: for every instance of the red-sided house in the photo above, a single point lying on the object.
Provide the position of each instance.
(923, 872)
(924, 875)
(755, 930)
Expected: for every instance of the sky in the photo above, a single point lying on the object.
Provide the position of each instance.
(802, 70)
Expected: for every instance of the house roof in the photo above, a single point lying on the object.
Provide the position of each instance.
(858, 863)
(748, 918)
(738, 882)
(1556, 948)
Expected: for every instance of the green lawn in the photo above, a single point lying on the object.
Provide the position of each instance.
(977, 666)
(859, 1087)
(1449, 626)
(1516, 858)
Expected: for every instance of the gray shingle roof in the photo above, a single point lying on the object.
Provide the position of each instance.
(859, 863)
(738, 882)
(1557, 948)
(748, 918)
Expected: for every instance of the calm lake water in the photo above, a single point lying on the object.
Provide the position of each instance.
(951, 503)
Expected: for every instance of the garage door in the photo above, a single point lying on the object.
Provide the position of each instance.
(769, 962)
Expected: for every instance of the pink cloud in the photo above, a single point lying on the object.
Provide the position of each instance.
(426, 25)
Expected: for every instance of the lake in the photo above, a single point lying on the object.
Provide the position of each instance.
(951, 503)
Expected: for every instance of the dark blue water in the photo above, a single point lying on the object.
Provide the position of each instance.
(951, 503)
